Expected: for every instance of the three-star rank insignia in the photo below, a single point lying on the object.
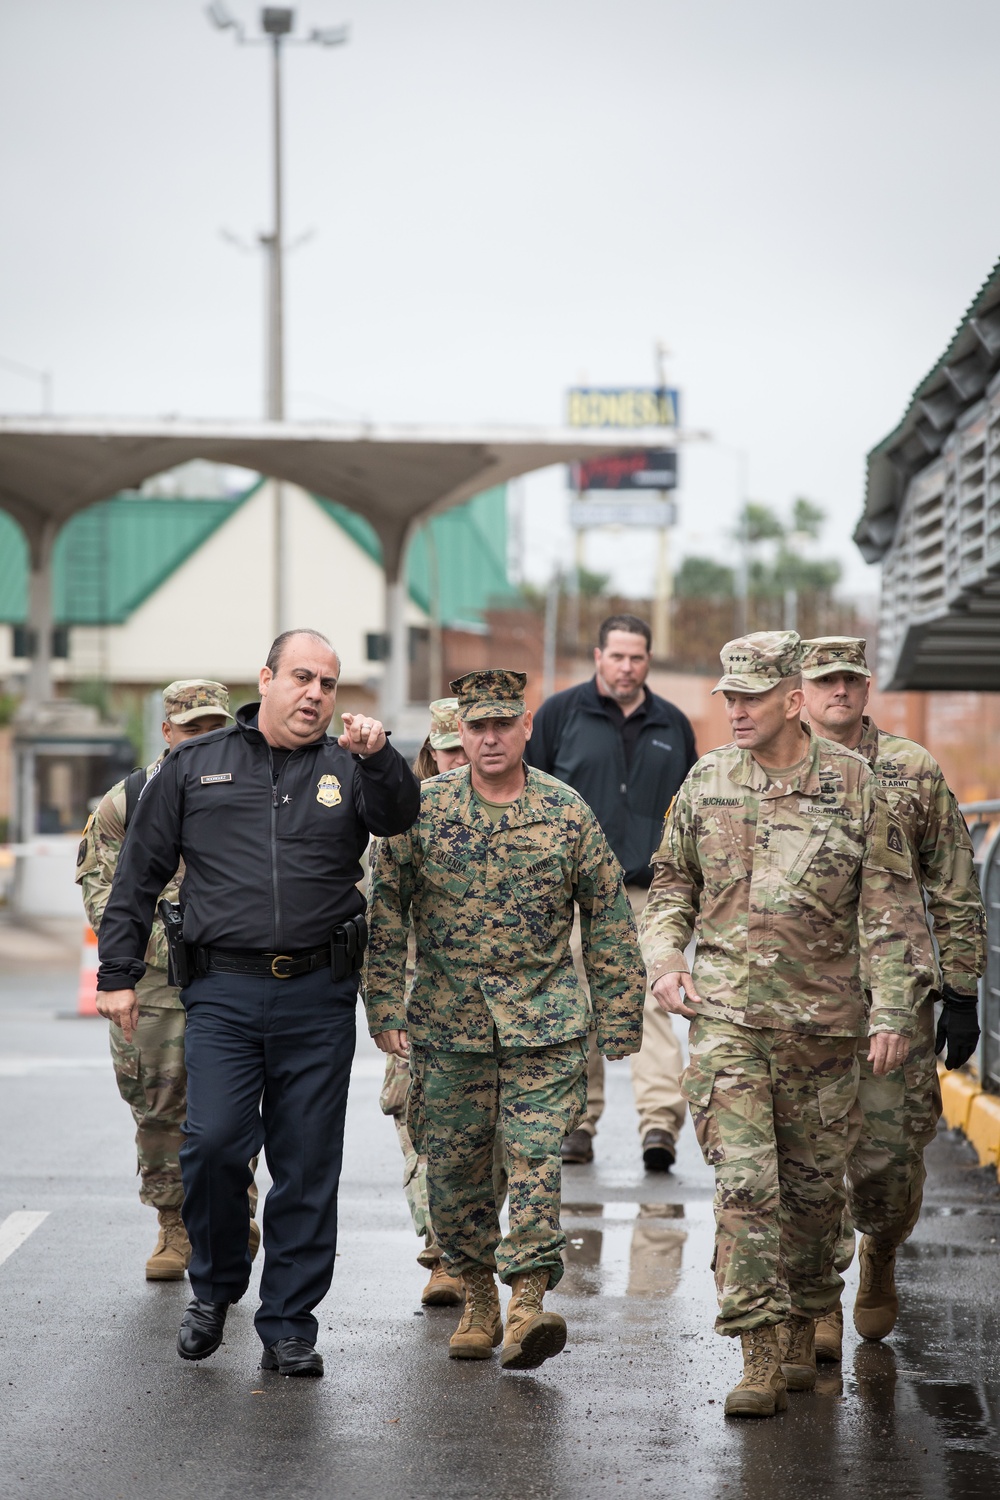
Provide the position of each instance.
(328, 791)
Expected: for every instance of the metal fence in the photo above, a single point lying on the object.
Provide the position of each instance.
(984, 825)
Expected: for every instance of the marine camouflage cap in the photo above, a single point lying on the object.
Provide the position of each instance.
(834, 653)
(444, 733)
(490, 694)
(195, 698)
(757, 663)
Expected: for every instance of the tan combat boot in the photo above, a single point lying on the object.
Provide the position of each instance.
(532, 1335)
(798, 1352)
(172, 1255)
(481, 1326)
(876, 1306)
(830, 1337)
(443, 1289)
(762, 1391)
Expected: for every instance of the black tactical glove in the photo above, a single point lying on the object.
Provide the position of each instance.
(958, 1026)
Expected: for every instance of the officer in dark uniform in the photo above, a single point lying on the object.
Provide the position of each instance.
(271, 817)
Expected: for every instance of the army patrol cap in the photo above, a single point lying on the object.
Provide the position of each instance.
(757, 663)
(834, 653)
(492, 694)
(195, 698)
(444, 733)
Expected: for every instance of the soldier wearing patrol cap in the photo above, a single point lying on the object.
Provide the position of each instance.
(150, 1068)
(775, 848)
(885, 1173)
(496, 1020)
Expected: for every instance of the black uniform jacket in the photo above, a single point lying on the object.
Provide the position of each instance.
(268, 869)
(575, 738)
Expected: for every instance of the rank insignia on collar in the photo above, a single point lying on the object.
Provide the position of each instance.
(328, 791)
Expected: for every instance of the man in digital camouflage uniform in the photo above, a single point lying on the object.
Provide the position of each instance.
(885, 1173)
(150, 1070)
(496, 1018)
(776, 846)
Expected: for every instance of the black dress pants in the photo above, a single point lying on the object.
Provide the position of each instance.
(268, 1064)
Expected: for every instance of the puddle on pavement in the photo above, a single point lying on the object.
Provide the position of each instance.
(635, 1250)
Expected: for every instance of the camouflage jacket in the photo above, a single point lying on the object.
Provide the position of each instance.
(95, 870)
(492, 909)
(917, 793)
(776, 876)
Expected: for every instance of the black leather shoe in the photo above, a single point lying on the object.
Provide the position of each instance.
(577, 1148)
(201, 1328)
(292, 1357)
(658, 1154)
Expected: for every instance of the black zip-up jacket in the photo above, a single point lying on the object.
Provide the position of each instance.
(268, 868)
(575, 738)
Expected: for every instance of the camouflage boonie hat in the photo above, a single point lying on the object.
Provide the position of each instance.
(757, 663)
(195, 698)
(444, 733)
(491, 694)
(834, 653)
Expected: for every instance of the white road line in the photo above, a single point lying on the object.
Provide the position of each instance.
(15, 1230)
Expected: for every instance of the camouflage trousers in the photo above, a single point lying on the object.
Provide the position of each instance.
(456, 1101)
(885, 1170)
(152, 1079)
(393, 1101)
(775, 1114)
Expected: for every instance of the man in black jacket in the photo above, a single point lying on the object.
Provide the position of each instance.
(271, 817)
(626, 751)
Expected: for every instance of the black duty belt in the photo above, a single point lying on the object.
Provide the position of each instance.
(270, 965)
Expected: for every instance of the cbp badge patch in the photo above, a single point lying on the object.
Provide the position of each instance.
(328, 791)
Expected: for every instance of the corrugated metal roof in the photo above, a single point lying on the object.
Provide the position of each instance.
(956, 382)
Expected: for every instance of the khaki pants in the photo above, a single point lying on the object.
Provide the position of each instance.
(656, 1067)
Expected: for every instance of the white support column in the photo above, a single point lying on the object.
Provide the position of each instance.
(40, 621)
(394, 687)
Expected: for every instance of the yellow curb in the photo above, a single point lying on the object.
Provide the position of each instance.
(958, 1092)
(983, 1128)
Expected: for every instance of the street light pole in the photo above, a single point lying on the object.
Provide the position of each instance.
(277, 23)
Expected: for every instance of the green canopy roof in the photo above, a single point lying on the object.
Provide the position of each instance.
(109, 558)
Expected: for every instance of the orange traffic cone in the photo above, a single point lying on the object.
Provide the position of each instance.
(86, 995)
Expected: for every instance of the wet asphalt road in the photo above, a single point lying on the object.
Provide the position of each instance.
(95, 1403)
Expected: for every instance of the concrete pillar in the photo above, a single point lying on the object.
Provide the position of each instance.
(395, 684)
(41, 540)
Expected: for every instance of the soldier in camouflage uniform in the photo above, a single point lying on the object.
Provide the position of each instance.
(885, 1173)
(496, 1018)
(776, 846)
(441, 751)
(150, 1069)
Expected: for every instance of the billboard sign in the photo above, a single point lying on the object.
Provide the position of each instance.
(649, 514)
(656, 470)
(623, 407)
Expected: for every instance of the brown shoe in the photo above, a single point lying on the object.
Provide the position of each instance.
(531, 1335)
(798, 1353)
(876, 1306)
(253, 1239)
(577, 1148)
(830, 1337)
(172, 1255)
(762, 1391)
(658, 1151)
(481, 1326)
(443, 1289)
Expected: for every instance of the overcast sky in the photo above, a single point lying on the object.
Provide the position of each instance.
(507, 200)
